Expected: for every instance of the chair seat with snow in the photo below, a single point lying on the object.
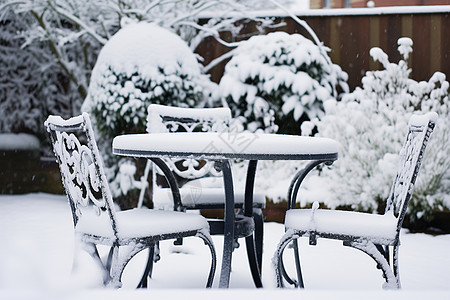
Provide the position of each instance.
(371, 233)
(95, 218)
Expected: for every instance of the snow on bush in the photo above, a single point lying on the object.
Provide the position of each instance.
(140, 65)
(277, 80)
(19, 105)
(29, 88)
(371, 125)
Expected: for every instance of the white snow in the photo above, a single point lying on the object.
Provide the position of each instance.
(371, 125)
(36, 234)
(388, 10)
(237, 144)
(144, 222)
(57, 120)
(182, 112)
(148, 57)
(422, 120)
(379, 227)
(279, 65)
(19, 141)
(156, 111)
(199, 192)
(148, 46)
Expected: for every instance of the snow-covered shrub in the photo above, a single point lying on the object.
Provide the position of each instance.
(19, 104)
(30, 87)
(278, 80)
(140, 65)
(371, 125)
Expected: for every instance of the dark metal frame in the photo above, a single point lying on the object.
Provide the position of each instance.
(412, 152)
(248, 221)
(230, 226)
(85, 184)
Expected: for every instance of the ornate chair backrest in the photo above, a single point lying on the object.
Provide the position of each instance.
(411, 156)
(175, 119)
(81, 167)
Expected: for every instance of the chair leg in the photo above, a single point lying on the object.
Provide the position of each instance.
(297, 265)
(148, 268)
(119, 262)
(254, 245)
(286, 275)
(277, 258)
(91, 249)
(395, 264)
(259, 236)
(253, 260)
(370, 249)
(208, 241)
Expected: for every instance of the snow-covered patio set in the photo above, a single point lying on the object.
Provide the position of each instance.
(172, 153)
(190, 153)
(128, 232)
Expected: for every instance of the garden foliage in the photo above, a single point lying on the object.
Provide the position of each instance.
(30, 88)
(141, 64)
(278, 80)
(371, 124)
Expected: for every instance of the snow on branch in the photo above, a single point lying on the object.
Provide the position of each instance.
(78, 21)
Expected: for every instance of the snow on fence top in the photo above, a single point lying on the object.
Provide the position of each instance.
(390, 10)
(20, 141)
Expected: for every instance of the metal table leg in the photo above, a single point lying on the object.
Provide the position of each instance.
(229, 225)
(254, 256)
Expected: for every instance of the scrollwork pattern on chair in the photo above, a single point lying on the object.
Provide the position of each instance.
(79, 172)
(193, 168)
(407, 168)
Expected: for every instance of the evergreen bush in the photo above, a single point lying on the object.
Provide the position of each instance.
(141, 64)
(276, 81)
(371, 124)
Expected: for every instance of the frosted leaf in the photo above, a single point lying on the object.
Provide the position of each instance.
(378, 54)
(289, 104)
(307, 128)
(298, 111)
(405, 47)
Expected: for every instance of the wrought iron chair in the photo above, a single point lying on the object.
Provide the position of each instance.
(204, 187)
(95, 218)
(371, 233)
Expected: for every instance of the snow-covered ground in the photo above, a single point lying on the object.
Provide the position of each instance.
(36, 250)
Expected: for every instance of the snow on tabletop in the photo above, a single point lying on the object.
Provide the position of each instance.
(18, 141)
(226, 142)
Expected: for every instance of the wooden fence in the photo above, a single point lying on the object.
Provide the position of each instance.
(351, 33)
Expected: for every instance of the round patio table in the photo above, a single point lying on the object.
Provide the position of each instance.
(224, 147)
